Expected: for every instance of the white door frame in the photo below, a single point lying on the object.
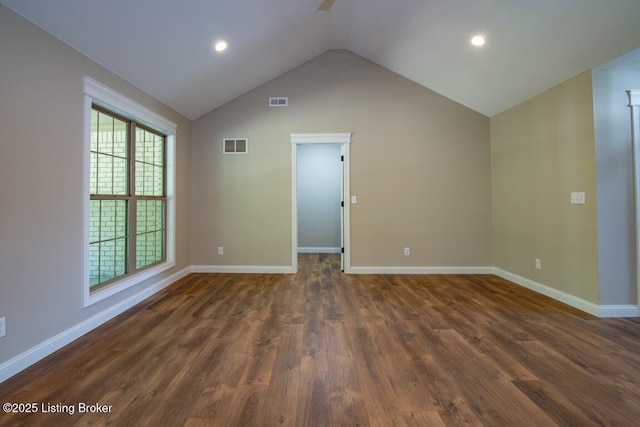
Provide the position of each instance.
(634, 104)
(321, 138)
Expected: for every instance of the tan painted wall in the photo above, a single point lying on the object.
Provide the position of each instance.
(541, 151)
(41, 108)
(420, 167)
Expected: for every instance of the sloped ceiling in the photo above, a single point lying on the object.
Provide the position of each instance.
(165, 47)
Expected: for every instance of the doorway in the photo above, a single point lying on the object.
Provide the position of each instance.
(634, 104)
(319, 188)
(341, 141)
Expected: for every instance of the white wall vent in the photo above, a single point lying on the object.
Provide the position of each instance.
(235, 146)
(281, 101)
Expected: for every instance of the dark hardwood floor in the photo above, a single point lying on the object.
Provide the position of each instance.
(324, 349)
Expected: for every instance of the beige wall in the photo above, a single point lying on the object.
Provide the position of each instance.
(541, 151)
(41, 240)
(420, 167)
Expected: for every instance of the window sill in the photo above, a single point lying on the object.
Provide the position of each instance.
(119, 286)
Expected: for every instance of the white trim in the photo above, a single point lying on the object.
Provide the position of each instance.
(127, 283)
(97, 93)
(634, 97)
(124, 106)
(601, 311)
(421, 270)
(618, 311)
(571, 300)
(634, 104)
(318, 250)
(294, 207)
(47, 347)
(322, 138)
(86, 197)
(251, 269)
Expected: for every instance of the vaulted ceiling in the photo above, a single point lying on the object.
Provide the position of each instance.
(165, 47)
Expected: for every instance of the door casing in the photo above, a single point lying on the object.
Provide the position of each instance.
(322, 138)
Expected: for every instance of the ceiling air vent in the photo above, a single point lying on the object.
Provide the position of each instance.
(235, 146)
(280, 101)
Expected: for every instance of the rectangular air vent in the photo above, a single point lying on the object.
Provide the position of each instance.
(235, 146)
(281, 101)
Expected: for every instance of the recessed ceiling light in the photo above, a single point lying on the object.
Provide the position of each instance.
(477, 40)
(220, 46)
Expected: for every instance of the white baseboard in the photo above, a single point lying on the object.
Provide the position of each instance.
(572, 300)
(421, 270)
(566, 298)
(618, 311)
(319, 250)
(45, 348)
(257, 269)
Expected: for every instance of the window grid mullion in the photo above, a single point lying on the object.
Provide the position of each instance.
(115, 205)
(98, 116)
(164, 194)
(97, 180)
(100, 243)
(132, 217)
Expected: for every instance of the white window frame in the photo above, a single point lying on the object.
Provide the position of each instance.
(99, 94)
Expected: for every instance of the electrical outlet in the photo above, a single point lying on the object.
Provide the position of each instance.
(3, 326)
(220, 250)
(578, 198)
(407, 251)
(538, 264)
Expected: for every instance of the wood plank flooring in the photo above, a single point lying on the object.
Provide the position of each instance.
(320, 348)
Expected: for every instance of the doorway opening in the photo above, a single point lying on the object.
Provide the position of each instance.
(331, 237)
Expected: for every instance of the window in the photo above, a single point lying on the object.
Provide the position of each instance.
(128, 198)
(129, 186)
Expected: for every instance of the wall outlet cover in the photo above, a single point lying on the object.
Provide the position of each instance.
(578, 198)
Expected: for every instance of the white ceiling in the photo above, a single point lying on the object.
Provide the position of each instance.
(164, 47)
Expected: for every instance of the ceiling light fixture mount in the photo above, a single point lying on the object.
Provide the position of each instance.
(478, 40)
